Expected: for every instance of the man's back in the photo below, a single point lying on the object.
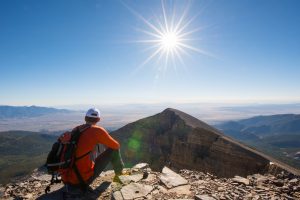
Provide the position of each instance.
(86, 144)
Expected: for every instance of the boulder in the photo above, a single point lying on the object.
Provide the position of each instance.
(183, 189)
(141, 166)
(126, 179)
(135, 190)
(204, 197)
(171, 179)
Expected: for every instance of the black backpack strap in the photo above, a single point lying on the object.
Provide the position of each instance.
(76, 134)
(87, 153)
(82, 183)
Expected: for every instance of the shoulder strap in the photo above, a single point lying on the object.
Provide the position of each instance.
(76, 133)
(82, 183)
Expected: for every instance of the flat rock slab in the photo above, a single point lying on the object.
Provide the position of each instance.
(135, 190)
(204, 197)
(126, 179)
(171, 179)
(141, 166)
(117, 195)
(242, 180)
(183, 189)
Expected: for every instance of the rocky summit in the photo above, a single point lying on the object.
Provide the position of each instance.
(143, 183)
(175, 139)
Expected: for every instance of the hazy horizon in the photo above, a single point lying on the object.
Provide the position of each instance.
(114, 117)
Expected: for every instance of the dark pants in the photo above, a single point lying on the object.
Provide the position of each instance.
(108, 156)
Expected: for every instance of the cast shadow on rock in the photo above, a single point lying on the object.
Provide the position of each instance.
(92, 194)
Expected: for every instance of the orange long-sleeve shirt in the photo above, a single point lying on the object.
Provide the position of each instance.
(87, 142)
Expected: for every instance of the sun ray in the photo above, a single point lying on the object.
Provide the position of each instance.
(179, 56)
(149, 33)
(181, 18)
(187, 24)
(143, 19)
(148, 41)
(165, 16)
(161, 26)
(190, 32)
(196, 49)
(151, 56)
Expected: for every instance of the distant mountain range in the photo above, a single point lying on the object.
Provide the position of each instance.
(262, 126)
(278, 135)
(7, 112)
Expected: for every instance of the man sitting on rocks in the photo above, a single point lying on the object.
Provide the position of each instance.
(95, 149)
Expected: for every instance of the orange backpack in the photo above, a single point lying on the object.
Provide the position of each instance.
(62, 156)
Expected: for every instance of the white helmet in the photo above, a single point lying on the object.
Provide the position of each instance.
(93, 113)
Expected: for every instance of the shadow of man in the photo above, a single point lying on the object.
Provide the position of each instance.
(91, 194)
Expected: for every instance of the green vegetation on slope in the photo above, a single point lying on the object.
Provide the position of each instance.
(21, 152)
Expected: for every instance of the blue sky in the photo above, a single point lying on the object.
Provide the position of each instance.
(84, 52)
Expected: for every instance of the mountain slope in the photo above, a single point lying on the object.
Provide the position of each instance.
(182, 141)
(21, 152)
(276, 135)
(262, 126)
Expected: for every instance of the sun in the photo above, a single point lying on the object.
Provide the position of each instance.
(169, 36)
(170, 41)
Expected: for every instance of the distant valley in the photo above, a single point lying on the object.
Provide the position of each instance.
(52, 120)
(47, 119)
(21, 152)
(276, 135)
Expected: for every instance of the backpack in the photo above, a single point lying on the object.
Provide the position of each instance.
(62, 156)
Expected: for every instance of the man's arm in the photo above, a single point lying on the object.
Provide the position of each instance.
(104, 138)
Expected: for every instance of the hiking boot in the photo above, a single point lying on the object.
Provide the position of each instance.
(117, 179)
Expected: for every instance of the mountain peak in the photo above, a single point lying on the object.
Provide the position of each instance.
(190, 120)
(180, 141)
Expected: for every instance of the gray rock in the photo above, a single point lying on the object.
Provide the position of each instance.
(126, 179)
(150, 178)
(141, 166)
(171, 179)
(183, 189)
(117, 195)
(135, 190)
(204, 197)
(28, 196)
(294, 181)
(241, 180)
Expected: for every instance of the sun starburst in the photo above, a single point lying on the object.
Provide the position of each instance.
(168, 36)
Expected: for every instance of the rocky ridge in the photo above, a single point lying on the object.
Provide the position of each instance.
(143, 183)
(175, 139)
